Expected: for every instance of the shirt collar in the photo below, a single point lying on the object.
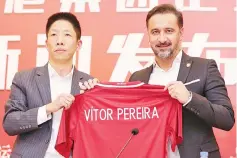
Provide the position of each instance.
(177, 59)
(53, 73)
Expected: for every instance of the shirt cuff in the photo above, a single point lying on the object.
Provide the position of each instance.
(42, 115)
(189, 99)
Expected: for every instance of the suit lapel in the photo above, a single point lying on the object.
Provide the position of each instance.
(185, 65)
(146, 75)
(75, 82)
(43, 83)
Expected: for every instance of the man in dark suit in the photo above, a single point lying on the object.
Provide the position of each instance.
(205, 103)
(38, 96)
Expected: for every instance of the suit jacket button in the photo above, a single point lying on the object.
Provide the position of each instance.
(47, 141)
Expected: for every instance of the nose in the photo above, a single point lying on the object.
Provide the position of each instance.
(60, 40)
(162, 38)
(60, 43)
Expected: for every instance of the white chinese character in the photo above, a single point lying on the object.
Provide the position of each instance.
(9, 60)
(5, 151)
(42, 55)
(128, 47)
(199, 42)
(84, 56)
(17, 6)
(129, 5)
(197, 45)
(194, 5)
(80, 5)
(230, 65)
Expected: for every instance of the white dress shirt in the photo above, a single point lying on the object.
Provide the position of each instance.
(162, 77)
(58, 85)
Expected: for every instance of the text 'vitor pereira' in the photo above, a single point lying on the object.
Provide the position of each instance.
(138, 113)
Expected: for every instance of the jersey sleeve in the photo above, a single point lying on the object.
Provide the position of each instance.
(179, 134)
(176, 128)
(66, 132)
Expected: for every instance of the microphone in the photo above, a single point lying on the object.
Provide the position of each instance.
(134, 132)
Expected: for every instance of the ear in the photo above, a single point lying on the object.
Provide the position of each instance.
(148, 37)
(181, 33)
(79, 44)
(46, 43)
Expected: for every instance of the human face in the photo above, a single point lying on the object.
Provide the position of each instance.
(165, 36)
(62, 42)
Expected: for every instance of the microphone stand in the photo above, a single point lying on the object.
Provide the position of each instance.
(124, 146)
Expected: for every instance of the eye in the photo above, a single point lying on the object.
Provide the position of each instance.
(169, 31)
(53, 34)
(155, 32)
(67, 34)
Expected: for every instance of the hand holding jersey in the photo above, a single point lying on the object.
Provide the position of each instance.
(178, 91)
(88, 84)
(62, 101)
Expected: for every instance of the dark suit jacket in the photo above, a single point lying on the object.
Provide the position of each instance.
(29, 91)
(210, 105)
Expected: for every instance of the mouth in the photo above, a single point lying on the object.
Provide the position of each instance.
(60, 50)
(162, 46)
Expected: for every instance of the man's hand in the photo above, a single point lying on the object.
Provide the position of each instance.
(62, 101)
(88, 84)
(178, 91)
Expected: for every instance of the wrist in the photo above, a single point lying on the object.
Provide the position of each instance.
(48, 109)
(189, 98)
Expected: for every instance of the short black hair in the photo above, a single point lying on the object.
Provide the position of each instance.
(164, 9)
(64, 16)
